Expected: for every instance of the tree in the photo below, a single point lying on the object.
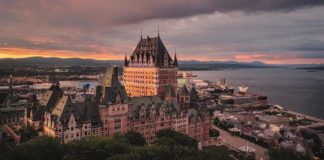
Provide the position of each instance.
(27, 133)
(135, 138)
(119, 144)
(213, 133)
(215, 153)
(40, 148)
(177, 138)
(286, 154)
(88, 148)
(170, 145)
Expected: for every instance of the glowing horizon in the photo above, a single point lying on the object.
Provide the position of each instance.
(111, 56)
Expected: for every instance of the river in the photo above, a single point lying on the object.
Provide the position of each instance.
(295, 89)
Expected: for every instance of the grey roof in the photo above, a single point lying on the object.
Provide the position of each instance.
(152, 49)
(45, 98)
(89, 112)
(46, 103)
(148, 101)
(184, 90)
(83, 112)
(109, 88)
(64, 108)
(193, 95)
(50, 97)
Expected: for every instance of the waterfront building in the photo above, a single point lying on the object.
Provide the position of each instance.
(150, 68)
(273, 119)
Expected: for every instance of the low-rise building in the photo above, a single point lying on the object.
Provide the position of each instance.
(273, 119)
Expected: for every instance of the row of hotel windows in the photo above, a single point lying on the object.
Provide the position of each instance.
(181, 126)
(141, 92)
(130, 77)
(77, 134)
(142, 72)
(140, 86)
(72, 129)
(135, 76)
(161, 81)
(141, 82)
(117, 115)
(179, 121)
(151, 72)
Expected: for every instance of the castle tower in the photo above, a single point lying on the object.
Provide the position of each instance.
(150, 69)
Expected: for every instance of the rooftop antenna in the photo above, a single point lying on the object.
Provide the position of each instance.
(141, 33)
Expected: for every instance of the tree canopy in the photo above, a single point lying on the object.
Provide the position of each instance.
(26, 133)
(287, 154)
(169, 145)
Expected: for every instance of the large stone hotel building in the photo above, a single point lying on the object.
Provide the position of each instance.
(150, 69)
(149, 102)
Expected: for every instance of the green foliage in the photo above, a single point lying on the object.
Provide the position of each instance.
(174, 138)
(285, 154)
(135, 138)
(88, 148)
(27, 133)
(146, 153)
(215, 153)
(213, 133)
(170, 145)
(38, 149)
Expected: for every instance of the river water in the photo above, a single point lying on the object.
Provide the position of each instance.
(294, 89)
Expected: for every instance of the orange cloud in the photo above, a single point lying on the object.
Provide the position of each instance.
(23, 53)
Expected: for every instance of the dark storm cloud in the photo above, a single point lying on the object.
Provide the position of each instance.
(86, 13)
(310, 45)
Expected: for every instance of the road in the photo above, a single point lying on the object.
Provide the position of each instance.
(236, 142)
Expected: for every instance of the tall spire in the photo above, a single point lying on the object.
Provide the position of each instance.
(141, 33)
(158, 31)
(126, 62)
(193, 95)
(175, 63)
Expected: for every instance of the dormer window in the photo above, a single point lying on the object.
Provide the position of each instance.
(153, 111)
(142, 112)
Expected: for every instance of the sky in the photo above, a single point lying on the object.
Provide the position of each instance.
(270, 31)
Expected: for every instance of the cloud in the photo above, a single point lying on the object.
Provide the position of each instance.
(204, 29)
(310, 45)
(103, 13)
